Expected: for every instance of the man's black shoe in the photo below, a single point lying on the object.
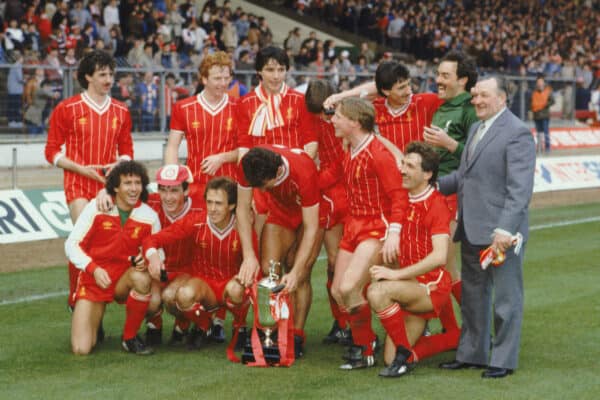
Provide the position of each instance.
(298, 346)
(357, 359)
(217, 333)
(177, 337)
(100, 334)
(399, 366)
(351, 352)
(338, 335)
(196, 339)
(454, 365)
(153, 336)
(243, 338)
(496, 372)
(137, 346)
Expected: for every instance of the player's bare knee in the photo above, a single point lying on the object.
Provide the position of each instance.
(168, 295)
(235, 291)
(141, 282)
(377, 295)
(185, 296)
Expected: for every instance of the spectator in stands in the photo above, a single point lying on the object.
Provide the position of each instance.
(14, 37)
(541, 101)
(32, 38)
(79, 15)
(242, 25)
(111, 14)
(15, 83)
(54, 72)
(293, 42)
(583, 95)
(229, 35)
(167, 57)
(147, 92)
(38, 92)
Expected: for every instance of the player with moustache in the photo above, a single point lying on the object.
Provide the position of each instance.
(101, 246)
(216, 260)
(377, 205)
(95, 131)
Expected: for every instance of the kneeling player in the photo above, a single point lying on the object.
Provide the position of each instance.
(406, 298)
(101, 245)
(217, 258)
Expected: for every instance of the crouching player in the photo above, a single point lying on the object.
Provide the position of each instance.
(101, 245)
(216, 260)
(405, 298)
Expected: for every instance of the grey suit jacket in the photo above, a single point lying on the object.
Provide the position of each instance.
(495, 184)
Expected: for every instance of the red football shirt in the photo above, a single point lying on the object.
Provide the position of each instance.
(427, 215)
(217, 253)
(406, 124)
(208, 130)
(297, 187)
(331, 152)
(92, 135)
(180, 254)
(374, 183)
(294, 132)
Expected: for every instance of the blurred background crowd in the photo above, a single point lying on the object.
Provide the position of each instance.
(161, 43)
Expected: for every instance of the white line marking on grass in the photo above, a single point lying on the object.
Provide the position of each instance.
(564, 223)
(321, 257)
(34, 297)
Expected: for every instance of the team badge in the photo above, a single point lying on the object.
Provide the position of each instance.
(115, 122)
(408, 116)
(357, 173)
(229, 125)
(411, 217)
(196, 124)
(234, 245)
(136, 232)
(290, 113)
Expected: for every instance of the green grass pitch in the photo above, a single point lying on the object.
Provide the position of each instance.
(559, 359)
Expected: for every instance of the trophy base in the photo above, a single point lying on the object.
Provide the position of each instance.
(270, 352)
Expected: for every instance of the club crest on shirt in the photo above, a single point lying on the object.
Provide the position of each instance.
(195, 124)
(408, 116)
(107, 225)
(136, 232)
(82, 121)
(289, 114)
(229, 124)
(357, 172)
(234, 245)
(411, 216)
(115, 122)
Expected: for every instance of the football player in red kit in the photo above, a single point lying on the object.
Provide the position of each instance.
(405, 298)
(93, 128)
(377, 204)
(101, 246)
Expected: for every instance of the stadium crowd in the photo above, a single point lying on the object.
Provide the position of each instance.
(523, 39)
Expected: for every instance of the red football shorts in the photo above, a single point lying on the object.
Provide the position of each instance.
(359, 229)
(278, 214)
(217, 286)
(439, 286)
(260, 201)
(333, 207)
(196, 193)
(88, 289)
(74, 190)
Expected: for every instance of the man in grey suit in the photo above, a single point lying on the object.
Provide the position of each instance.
(494, 183)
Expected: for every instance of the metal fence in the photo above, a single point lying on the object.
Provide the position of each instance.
(62, 83)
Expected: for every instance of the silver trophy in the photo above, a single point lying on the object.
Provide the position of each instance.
(266, 318)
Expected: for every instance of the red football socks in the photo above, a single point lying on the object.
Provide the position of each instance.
(135, 311)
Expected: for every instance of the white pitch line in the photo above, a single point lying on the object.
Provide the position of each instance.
(321, 257)
(564, 223)
(34, 297)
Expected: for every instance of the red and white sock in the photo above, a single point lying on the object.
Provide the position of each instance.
(136, 307)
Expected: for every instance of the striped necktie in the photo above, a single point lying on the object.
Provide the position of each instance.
(476, 139)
